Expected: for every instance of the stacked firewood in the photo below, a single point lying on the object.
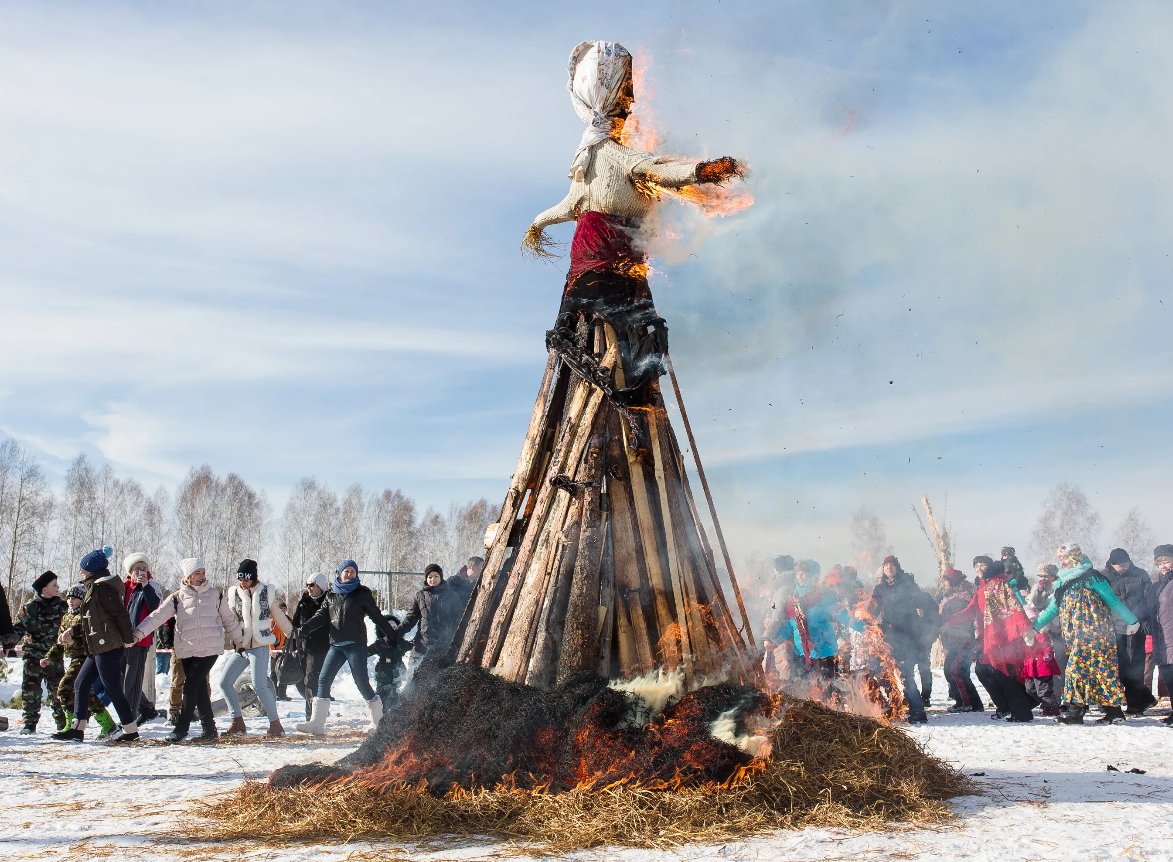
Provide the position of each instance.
(599, 560)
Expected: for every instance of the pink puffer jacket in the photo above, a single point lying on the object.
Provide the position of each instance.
(202, 617)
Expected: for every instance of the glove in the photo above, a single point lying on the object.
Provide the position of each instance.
(1029, 638)
(1133, 629)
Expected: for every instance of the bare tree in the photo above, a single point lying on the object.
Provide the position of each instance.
(219, 520)
(869, 540)
(1134, 535)
(394, 534)
(26, 507)
(1067, 516)
(309, 532)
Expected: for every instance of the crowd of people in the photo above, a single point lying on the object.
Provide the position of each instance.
(109, 626)
(1078, 637)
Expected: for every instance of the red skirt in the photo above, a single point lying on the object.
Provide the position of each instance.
(602, 242)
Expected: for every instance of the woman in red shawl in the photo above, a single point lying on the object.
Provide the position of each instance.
(997, 607)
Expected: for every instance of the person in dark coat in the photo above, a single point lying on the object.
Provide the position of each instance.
(902, 609)
(960, 645)
(1158, 617)
(1130, 584)
(346, 609)
(105, 626)
(436, 610)
(37, 625)
(8, 636)
(311, 647)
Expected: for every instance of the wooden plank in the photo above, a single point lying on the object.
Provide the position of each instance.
(468, 634)
(627, 575)
(694, 648)
(606, 607)
(580, 417)
(669, 643)
(547, 642)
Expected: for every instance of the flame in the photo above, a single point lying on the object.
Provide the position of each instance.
(640, 132)
(885, 689)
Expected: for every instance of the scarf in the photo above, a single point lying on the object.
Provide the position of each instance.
(1004, 623)
(598, 72)
(345, 588)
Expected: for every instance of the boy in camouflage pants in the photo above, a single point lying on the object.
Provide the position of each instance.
(38, 625)
(76, 652)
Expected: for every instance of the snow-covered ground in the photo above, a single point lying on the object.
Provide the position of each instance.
(1048, 794)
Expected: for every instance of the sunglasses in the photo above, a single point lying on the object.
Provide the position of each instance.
(244, 576)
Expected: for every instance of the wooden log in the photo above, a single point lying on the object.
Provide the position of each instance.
(580, 417)
(606, 608)
(720, 630)
(692, 636)
(668, 646)
(548, 637)
(468, 635)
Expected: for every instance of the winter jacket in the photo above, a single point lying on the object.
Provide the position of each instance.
(74, 650)
(345, 615)
(1158, 613)
(815, 610)
(7, 632)
(895, 606)
(1130, 587)
(105, 624)
(141, 600)
(202, 617)
(437, 610)
(316, 642)
(954, 601)
(389, 663)
(256, 610)
(998, 610)
(38, 625)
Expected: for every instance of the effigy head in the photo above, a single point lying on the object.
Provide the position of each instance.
(601, 91)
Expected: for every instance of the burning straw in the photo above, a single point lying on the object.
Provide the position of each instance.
(826, 769)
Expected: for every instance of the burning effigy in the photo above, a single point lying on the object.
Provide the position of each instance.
(601, 687)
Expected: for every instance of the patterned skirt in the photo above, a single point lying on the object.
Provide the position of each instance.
(1092, 675)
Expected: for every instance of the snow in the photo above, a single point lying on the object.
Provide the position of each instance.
(1047, 795)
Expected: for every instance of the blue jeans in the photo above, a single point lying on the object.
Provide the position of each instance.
(106, 667)
(162, 662)
(258, 659)
(356, 655)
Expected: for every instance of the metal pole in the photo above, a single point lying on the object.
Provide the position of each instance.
(709, 497)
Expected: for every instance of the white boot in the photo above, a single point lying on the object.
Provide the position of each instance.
(375, 705)
(319, 712)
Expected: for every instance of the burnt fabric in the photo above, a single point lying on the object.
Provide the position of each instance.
(601, 242)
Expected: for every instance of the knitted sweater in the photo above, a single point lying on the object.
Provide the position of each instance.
(610, 184)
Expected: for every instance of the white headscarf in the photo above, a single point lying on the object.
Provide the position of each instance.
(598, 71)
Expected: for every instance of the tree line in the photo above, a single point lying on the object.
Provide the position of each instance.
(222, 520)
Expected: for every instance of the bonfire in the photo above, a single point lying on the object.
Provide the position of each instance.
(602, 687)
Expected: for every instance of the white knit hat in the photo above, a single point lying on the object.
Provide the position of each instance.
(189, 565)
(320, 579)
(131, 559)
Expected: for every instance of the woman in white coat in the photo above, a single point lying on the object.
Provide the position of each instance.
(202, 618)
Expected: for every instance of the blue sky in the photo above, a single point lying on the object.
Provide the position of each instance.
(282, 239)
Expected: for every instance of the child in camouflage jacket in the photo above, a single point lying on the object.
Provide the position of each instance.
(76, 652)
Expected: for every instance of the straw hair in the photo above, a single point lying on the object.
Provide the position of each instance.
(828, 769)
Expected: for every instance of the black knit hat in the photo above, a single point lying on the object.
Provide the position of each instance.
(247, 567)
(77, 591)
(1007, 551)
(44, 581)
(1118, 557)
(997, 567)
(983, 559)
(1163, 551)
(432, 567)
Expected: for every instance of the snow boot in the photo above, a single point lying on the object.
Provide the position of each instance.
(129, 733)
(375, 705)
(176, 735)
(68, 721)
(1112, 715)
(1074, 714)
(74, 734)
(237, 727)
(275, 731)
(105, 722)
(317, 723)
(998, 716)
(63, 721)
(29, 730)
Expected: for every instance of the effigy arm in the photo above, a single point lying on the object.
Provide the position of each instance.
(535, 242)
